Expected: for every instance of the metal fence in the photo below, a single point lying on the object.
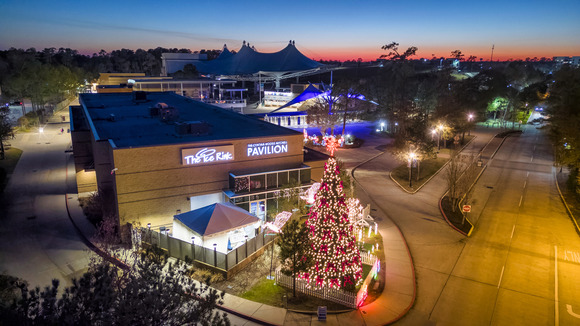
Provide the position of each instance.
(181, 249)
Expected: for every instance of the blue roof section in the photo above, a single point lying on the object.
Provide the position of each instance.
(216, 218)
(126, 123)
(249, 61)
(310, 92)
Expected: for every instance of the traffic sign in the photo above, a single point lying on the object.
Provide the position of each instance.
(467, 208)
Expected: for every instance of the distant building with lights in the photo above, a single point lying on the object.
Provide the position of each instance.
(154, 155)
(222, 93)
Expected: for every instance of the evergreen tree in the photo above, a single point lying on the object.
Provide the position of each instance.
(335, 258)
(293, 244)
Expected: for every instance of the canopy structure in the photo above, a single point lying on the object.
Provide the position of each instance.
(251, 65)
(310, 92)
(216, 218)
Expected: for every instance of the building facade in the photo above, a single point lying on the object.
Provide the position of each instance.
(154, 155)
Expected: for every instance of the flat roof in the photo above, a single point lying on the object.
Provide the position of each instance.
(116, 117)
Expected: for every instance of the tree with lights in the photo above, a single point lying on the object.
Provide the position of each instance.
(333, 253)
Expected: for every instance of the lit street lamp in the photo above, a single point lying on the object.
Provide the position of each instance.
(411, 158)
(469, 118)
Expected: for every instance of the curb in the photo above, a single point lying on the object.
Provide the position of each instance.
(449, 222)
(431, 177)
(404, 241)
(473, 184)
(566, 204)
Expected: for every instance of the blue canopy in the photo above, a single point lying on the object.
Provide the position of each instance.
(216, 218)
(310, 92)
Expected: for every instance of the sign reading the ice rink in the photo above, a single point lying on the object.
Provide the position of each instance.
(274, 147)
(207, 155)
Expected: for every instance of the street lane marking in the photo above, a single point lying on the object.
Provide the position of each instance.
(521, 197)
(556, 315)
(569, 310)
(532, 158)
(500, 276)
(513, 229)
(528, 174)
(525, 182)
(572, 256)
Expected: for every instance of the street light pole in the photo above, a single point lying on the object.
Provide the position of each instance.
(215, 254)
(469, 118)
(411, 157)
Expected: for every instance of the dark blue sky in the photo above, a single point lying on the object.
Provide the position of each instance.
(322, 29)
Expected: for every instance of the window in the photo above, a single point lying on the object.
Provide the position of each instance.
(272, 180)
(257, 182)
(293, 177)
(242, 184)
(282, 178)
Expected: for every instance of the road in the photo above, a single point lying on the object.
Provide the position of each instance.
(37, 240)
(508, 272)
(522, 262)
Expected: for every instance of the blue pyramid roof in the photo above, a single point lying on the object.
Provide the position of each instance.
(216, 218)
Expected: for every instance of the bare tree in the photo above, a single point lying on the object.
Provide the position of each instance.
(457, 179)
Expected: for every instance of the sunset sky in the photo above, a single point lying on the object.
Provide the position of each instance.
(340, 30)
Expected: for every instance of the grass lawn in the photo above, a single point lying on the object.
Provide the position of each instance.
(8, 164)
(266, 292)
(426, 169)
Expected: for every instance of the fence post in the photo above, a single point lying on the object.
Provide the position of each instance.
(193, 247)
(215, 254)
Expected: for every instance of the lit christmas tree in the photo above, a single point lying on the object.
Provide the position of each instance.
(334, 255)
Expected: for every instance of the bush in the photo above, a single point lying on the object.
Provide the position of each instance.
(202, 274)
(93, 208)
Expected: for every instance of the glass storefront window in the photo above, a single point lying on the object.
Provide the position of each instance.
(282, 178)
(272, 180)
(257, 182)
(242, 184)
(293, 177)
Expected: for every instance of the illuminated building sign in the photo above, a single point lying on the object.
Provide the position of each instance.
(207, 155)
(274, 147)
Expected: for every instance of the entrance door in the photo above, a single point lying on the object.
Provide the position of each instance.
(258, 209)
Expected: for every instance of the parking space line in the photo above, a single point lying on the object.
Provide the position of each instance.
(500, 277)
(556, 312)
